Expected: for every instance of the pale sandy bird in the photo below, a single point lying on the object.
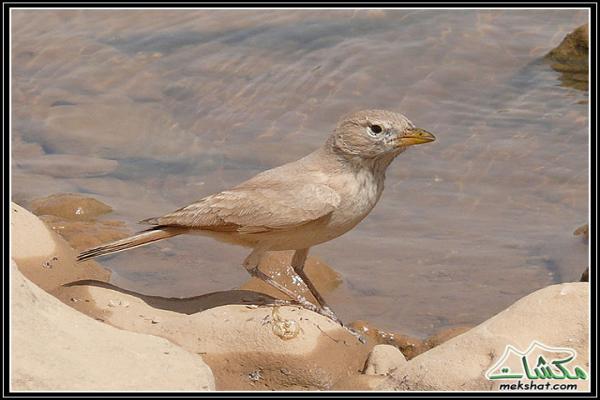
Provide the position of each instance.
(297, 205)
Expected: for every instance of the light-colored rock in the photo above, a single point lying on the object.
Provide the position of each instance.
(29, 236)
(43, 256)
(54, 347)
(247, 347)
(557, 316)
(360, 383)
(384, 359)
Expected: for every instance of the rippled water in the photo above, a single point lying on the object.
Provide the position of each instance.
(149, 110)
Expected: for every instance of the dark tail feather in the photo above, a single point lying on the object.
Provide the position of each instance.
(139, 239)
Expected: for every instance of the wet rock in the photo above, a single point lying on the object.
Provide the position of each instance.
(69, 206)
(444, 335)
(57, 348)
(383, 360)
(408, 345)
(277, 265)
(571, 58)
(43, 256)
(557, 316)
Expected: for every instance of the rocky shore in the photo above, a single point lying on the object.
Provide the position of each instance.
(72, 330)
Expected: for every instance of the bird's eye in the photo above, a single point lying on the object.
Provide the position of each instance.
(376, 128)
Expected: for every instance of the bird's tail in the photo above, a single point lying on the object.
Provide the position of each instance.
(139, 239)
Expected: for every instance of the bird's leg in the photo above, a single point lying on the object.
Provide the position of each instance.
(251, 265)
(298, 261)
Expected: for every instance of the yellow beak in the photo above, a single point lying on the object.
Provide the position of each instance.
(415, 136)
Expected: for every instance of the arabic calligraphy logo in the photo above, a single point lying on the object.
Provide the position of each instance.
(537, 362)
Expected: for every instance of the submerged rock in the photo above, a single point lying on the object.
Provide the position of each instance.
(69, 206)
(67, 166)
(83, 235)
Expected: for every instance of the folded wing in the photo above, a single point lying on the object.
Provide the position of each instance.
(255, 209)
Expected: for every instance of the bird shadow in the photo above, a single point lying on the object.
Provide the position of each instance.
(187, 305)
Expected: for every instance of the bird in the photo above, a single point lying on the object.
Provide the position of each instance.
(297, 205)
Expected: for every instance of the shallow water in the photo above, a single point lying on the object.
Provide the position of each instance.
(149, 110)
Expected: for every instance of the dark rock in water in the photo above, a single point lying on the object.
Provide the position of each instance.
(583, 230)
(570, 58)
(69, 206)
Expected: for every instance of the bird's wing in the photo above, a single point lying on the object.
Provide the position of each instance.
(255, 209)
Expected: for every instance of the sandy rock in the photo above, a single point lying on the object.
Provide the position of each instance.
(43, 256)
(360, 383)
(69, 206)
(57, 348)
(247, 347)
(30, 237)
(557, 316)
(383, 360)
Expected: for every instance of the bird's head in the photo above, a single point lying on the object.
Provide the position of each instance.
(373, 134)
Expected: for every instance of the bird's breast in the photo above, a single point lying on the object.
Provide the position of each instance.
(359, 192)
